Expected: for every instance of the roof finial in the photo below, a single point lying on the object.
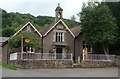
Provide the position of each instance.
(58, 4)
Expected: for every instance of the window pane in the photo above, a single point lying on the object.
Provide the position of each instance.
(59, 37)
(28, 49)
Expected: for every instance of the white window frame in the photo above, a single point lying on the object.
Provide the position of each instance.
(59, 37)
(30, 51)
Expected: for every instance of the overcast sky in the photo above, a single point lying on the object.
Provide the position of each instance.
(43, 7)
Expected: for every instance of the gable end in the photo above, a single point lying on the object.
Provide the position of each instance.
(56, 24)
(26, 26)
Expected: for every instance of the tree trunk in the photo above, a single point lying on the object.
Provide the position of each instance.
(106, 50)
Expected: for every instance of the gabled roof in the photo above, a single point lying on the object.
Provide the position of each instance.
(76, 30)
(46, 30)
(28, 23)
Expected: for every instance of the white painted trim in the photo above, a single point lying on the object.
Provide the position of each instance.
(68, 29)
(25, 26)
(63, 24)
(51, 28)
(63, 39)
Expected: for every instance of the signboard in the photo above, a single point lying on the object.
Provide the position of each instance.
(27, 40)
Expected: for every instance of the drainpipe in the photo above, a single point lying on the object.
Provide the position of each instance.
(74, 52)
(42, 48)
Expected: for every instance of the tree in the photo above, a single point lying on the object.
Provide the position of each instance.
(16, 20)
(34, 41)
(98, 25)
(115, 9)
(8, 31)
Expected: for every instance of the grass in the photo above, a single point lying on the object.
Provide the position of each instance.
(8, 66)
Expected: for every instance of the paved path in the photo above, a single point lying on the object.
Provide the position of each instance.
(77, 72)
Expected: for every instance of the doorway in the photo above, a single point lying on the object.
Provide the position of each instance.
(59, 51)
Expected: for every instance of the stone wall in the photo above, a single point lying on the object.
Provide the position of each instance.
(42, 64)
(60, 64)
(118, 61)
(95, 64)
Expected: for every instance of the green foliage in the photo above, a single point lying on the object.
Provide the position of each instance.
(8, 31)
(16, 21)
(15, 42)
(51, 51)
(98, 24)
(8, 66)
(44, 20)
(115, 9)
(71, 23)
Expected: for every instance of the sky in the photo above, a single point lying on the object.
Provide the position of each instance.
(43, 7)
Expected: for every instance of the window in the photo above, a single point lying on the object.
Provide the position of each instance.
(28, 49)
(88, 46)
(59, 37)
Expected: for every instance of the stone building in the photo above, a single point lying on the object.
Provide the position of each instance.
(56, 38)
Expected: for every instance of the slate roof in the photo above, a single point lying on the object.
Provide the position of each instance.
(76, 30)
(46, 28)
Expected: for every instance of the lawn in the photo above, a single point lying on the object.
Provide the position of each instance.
(8, 66)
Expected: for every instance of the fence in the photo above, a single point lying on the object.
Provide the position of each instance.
(47, 56)
(98, 57)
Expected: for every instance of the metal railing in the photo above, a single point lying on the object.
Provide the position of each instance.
(99, 57)
(47, 56)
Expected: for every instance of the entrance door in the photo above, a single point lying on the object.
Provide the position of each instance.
(59, 53)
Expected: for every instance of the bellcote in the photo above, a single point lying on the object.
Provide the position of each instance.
(58, 13)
